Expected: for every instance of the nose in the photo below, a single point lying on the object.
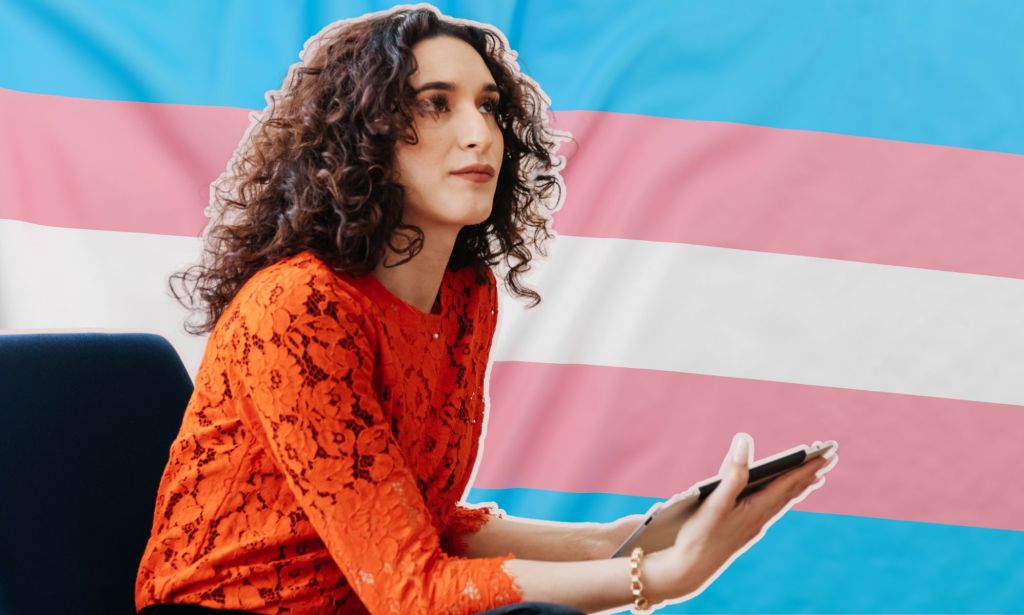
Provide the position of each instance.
(475, 131)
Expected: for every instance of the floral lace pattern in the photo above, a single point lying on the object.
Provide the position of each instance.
(332, 430)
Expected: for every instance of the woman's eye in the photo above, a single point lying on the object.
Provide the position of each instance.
(438, 103)
(492, 105)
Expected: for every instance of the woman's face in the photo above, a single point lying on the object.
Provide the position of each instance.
(454, 113)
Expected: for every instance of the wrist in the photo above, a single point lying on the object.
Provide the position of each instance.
(601, 541)
(662, 576)
(609, 536)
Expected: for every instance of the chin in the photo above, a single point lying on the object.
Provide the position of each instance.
(476, 215)
(482, 217)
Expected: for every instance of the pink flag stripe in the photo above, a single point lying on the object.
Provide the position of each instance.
(111, 165)
(655, 433)
(793, 192)
(146, 167)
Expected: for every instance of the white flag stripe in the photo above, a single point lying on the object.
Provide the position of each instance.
(765, 316)
(63, 278)
(623, 303)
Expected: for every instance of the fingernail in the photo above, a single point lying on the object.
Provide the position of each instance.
(739, 449)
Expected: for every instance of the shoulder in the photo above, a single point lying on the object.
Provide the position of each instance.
(476, 284)
(299, 291)
(475, 300)
(475, 277)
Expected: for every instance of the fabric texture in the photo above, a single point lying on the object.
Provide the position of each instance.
(320, 461)
(519, 608)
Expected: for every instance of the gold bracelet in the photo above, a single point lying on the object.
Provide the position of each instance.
(639, 601)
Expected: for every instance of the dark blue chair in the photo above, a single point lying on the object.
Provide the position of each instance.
(87, 424)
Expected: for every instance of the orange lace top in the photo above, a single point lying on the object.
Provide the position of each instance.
(320, 461)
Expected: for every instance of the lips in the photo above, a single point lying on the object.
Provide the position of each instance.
(475, 172)
(475, 177)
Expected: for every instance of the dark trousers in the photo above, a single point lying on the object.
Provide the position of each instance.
(520, 608)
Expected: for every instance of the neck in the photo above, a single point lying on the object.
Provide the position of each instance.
(418, 281)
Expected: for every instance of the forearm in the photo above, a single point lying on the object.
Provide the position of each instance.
(571, 563)
(597, 585)
(532, 539)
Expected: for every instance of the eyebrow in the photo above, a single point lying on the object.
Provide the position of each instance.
(450, 87)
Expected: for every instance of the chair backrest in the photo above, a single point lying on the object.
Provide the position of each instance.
(86, 425)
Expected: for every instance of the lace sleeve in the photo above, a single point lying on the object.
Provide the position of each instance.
(306, 365)
(463, 520)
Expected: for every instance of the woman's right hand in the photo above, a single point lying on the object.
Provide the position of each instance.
(721, 526)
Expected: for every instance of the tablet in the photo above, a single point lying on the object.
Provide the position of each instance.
(660, 527)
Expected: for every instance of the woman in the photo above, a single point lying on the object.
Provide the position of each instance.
(351, 305)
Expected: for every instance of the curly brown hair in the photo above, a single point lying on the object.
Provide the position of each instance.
(315, 171)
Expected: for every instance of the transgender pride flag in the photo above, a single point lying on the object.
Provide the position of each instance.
(801, 220)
